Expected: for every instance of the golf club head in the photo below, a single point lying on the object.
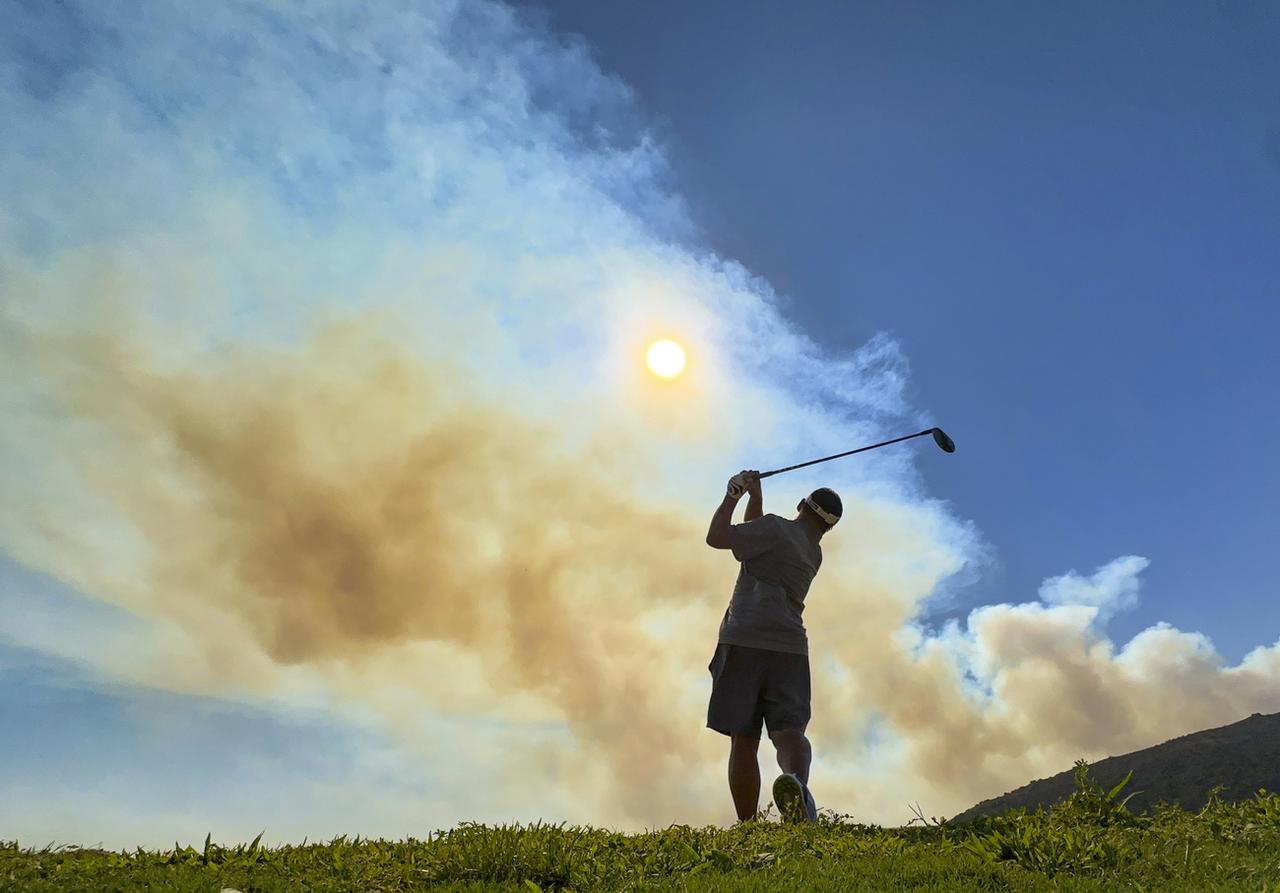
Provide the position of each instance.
(941, 439)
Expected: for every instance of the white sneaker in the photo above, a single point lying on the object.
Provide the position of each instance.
(793, 799)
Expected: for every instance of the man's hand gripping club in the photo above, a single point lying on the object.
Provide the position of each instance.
(746, 481)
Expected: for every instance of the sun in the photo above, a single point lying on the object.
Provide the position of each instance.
(665, 358)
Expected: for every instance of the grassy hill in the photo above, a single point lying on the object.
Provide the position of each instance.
(1088, 843)
(1241, 758)
(1088, 840)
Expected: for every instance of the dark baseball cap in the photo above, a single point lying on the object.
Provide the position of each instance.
(826, 504)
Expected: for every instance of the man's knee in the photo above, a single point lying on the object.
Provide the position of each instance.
(744, 744)
(787, 735)
(788, 738)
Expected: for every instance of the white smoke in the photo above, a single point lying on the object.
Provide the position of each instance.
(1112, 588)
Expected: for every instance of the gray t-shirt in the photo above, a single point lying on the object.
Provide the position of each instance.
(780, 558)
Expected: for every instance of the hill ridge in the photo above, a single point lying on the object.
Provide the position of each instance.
(1242, 757)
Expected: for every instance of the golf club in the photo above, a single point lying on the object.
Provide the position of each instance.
(939, 437)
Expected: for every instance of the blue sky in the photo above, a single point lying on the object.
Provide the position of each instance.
(1067, 217)
(334, 487)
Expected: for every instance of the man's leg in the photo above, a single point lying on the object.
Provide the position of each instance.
(786, 711)
(744, 775)
(794, 752)
(791, 788)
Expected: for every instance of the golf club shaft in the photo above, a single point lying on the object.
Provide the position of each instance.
(765, 474)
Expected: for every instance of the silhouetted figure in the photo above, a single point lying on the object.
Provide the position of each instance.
(760, 671)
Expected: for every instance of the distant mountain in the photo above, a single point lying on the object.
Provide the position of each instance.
(1242, 757)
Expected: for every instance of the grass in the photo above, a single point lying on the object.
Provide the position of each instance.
(1091, 842)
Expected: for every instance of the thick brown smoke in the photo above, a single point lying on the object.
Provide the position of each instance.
(341, 497)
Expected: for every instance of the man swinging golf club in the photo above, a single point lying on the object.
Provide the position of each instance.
(760, 671)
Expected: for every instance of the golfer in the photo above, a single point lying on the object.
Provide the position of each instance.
(760, 671)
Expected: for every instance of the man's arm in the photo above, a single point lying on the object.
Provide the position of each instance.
(718, 532)
(744, 481)
(755, 501)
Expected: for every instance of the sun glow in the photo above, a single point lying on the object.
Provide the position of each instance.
(666, 358)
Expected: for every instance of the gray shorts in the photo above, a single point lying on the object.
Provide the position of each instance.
(752, 686)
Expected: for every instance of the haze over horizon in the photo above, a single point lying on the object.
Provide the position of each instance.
(337, 497)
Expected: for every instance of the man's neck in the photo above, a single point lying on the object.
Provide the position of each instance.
(813, 527)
